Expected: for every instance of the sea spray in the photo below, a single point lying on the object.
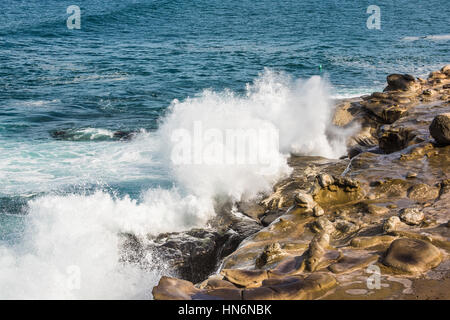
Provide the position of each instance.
(78, 235)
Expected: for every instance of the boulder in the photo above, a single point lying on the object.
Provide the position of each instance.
(304, 200)
(437, 75)
(412, 216)
(396, 139)
(440, 129)
(174, 289)
(446, 69)
(403, 82)
(412, 255)
(423, 192)
(391, 224)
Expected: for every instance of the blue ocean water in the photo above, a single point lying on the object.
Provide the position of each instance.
(65, 93)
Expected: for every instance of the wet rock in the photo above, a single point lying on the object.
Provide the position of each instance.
(391, 188)
(322, 224)
(354, 151)
(345, 227)
(270, 217)
(393, 140)
(412, 255)
(325, 180)
(292, 288)
(174, 289)
(367, 242)
(412, 216)
(423, 192)
(446, 70)
(386, 113)
(251, 209)
(404, 82)
(417, 151)
(376, 210)
(392, 224)
(245, 278)
(440, 129)
(348, 264)
(124, 135)
(343, 114)
(213, 283)
(196, 253)
(342, 190)
(304, 200)
(316, 250)
(318, 211)
(271, 253)
(437, 75)
(411, 175)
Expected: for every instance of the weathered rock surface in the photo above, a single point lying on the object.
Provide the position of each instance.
(413, 216)
(440, 128)
(403, 82)
(412, 255)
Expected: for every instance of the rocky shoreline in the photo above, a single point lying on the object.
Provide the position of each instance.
(372, 225)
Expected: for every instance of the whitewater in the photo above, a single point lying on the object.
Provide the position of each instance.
(71, 246)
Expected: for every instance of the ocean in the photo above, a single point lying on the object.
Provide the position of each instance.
(88, 117)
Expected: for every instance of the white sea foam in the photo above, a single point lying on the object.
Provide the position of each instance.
(82, 231)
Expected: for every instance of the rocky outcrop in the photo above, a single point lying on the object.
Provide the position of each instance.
(404, 82)
(326, 226)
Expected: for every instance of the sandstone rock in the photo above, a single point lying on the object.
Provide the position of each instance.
(342, 114)
(217, 284)
(345, 227)
(412, 216)
(341, 191)
(354, 151)
(387, 113)
(423, 192)
(318, 211)
(322, 224)
(376, 210)
(304, 200)
(194, 254)
(412, 255)
(367, 242)
(219, 294)
(411, 175)
(348, 264)
(292, 288)
(429, 92)
(174, 289)
(316, 250)
(325, 180)
(404, 82)
(271, 253)
(446, 69)
(437, 75)
(245, 278)
(440, 129)
(391, 224)
(393, 140)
